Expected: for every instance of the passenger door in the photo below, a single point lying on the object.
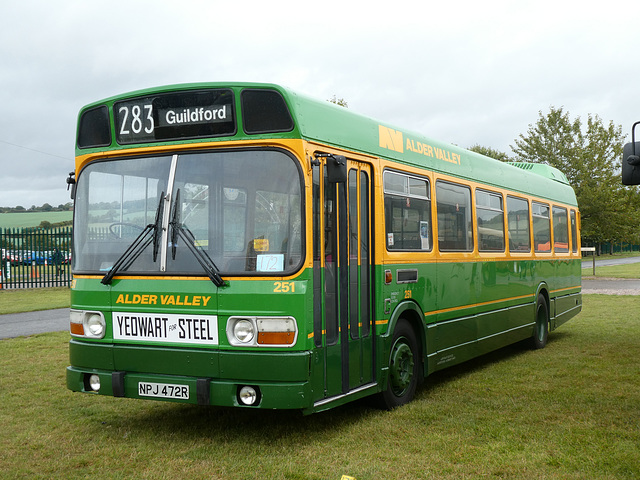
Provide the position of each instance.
(343, 324)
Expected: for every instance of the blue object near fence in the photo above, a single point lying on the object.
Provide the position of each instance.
(35, 258)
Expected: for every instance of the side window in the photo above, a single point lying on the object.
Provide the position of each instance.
(455, 231)
(541, 227)
(560, 230)
(574, 232)
(518, 221)
(490, 221)
(407, 210)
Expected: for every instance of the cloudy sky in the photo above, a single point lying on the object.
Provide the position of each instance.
(470, 72)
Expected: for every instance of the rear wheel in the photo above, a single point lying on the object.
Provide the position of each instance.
(404, 367)
(541, 327)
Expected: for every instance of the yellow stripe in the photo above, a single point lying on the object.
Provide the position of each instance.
(566, 289)
(324, 332)
(463, 307)
(139, 277)
(198, 278)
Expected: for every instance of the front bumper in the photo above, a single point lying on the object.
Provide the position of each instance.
(213, 377)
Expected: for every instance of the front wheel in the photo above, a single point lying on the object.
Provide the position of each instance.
(404, 367)
(541, 327)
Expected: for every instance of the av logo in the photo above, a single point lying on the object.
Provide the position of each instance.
(391, 139)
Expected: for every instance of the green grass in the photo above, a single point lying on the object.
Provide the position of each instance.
(569, 411)
(32, 219)
(33, 299)
(617, 271)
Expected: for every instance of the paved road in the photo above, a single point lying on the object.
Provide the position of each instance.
(611, 286)
(609, 262)
(30, 323)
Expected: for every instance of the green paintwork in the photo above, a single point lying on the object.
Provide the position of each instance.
(454, 322)
(499, 309)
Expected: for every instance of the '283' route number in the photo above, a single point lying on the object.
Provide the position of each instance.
(284, 287)
(137, 119)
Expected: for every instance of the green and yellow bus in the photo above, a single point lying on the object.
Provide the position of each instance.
(244, 245)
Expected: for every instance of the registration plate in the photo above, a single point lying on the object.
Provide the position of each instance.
(163, 390)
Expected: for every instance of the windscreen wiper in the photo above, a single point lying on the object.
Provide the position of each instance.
(189, 239)
(150, 234)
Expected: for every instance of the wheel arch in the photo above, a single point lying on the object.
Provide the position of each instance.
(543, 289)
(412, 313)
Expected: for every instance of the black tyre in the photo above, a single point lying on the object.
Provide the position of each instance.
(405, 367)
(541, 327)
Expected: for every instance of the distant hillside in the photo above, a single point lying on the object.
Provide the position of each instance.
(33, 219)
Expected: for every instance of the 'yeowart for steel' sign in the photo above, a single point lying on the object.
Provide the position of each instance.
(166, 328)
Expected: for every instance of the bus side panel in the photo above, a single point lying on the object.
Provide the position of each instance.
(568, 300)
(523, 284)
(567, 306)
(455, 296)
(456, 330)
(492, 285)
(490, 305)
(505, 306)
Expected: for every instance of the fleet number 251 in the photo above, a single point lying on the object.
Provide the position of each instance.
(284, 287)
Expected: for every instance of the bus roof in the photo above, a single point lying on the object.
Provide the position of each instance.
(324, 122)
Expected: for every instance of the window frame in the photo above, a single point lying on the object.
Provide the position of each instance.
(490, 209)
(527, 223)
(469, 242)
(573, 219)
(539, 216)
(407, 195)
(558, 208)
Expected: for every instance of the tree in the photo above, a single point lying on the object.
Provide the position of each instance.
(490, 152)
(555, 140)
(339, 101)
(590, 158)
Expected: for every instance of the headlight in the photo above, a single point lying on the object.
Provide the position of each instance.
(87, 324)
(244, 331)
(94, 326)
(248, 395)
(94, 383)
(262, 331)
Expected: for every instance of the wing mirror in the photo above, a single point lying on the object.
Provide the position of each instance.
(631, 160)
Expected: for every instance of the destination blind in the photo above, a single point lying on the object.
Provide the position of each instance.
(175, 116)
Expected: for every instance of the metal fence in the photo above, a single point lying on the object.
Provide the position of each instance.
(35, 258)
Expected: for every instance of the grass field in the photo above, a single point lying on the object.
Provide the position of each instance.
(32, 219)
(33, 299)
(617, 271)
(570, 411)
